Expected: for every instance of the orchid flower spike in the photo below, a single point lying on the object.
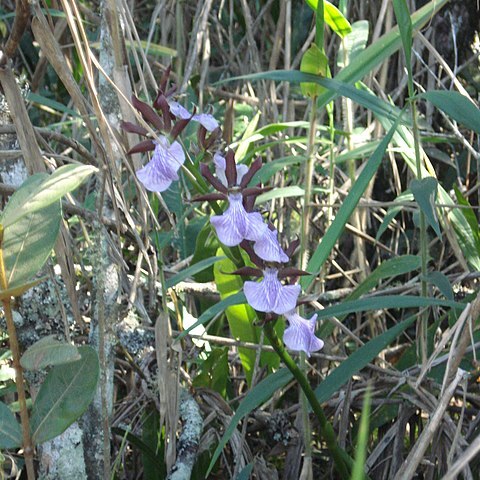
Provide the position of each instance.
(300, 334)
(207, 120)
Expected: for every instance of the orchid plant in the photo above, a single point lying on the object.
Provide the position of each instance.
(239, 224)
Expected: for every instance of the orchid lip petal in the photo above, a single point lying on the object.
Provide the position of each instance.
(269, 295)
(300, 334)
(236, 224)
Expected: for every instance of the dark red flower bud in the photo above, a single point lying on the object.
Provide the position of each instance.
(145, 146)
(133, 128)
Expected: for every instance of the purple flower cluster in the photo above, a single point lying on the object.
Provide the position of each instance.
(239, 224)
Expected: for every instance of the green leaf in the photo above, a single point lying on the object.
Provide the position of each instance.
(28, 242)
(64, 395)
(49, 351)
(269, 169)
(314, 61)
(456, 106)
(383, 302)
(333, 17)
(192, 270)
(10, 430)
(253, 399)
(246, 472)
(348, 206)
(405, 26)
(425, 193)
(43, 193)
(469, 216)
(393, 211)
(207, 315)
(282, 192)
(358, 360)
(247, 139)
(20, 289)
(358, 472)
(442, 282)
(353, 43)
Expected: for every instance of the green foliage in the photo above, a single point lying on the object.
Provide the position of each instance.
(10, 430)
(425, 193)
(64, 395)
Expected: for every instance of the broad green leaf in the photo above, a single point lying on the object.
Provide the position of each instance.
(10, 430)
(348, 206)
(404, 22)
(192, 270)
(353, 43)
(456, 106)
(221, 306)
(333, 17)
(241, 318)
(64, 395)
(383, 302)
(425, 193)
(42, 194)
(469, 215)
(49, 351)
(28, 242)
(358, 360)
(253, 399)
(314, 61)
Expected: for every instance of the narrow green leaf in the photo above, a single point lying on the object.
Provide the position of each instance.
(456, 106)
(469, 216)
(383, 302)
(405, 26)
(358, 360)
(20, 289)
(10, 430)
(425, 193)
(348, 206)
(247, 139)
(64, 395)
(393, 211)
(283, 192)
(333, 17)
(269, 169)
(192, 270)
(253, 399)
(43, 193)
(442, 282)
(49, 351)
(358, 472)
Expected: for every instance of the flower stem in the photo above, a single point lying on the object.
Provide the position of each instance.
(19, 382)
(341, 459)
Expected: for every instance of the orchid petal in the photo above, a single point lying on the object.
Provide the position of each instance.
(221, 167)
(162, 169)
(268, 248)
(178, 110)
(300, 334)
(207, 121)
(270, 295)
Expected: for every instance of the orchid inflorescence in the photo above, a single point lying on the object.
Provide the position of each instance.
(239, 225)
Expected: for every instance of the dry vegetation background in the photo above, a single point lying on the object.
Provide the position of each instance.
(76, 66)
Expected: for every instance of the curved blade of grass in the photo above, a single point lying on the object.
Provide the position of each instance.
(192, 270)
(254, 398)
(358, 472)
(336, 228)
(383, 302)
(358, 360)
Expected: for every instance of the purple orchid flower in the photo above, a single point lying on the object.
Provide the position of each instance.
(300, 334)
(269, 295)
(238, 222)
(162, 169)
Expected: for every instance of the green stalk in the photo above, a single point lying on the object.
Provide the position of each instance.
(19, 381)
(341, 459)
